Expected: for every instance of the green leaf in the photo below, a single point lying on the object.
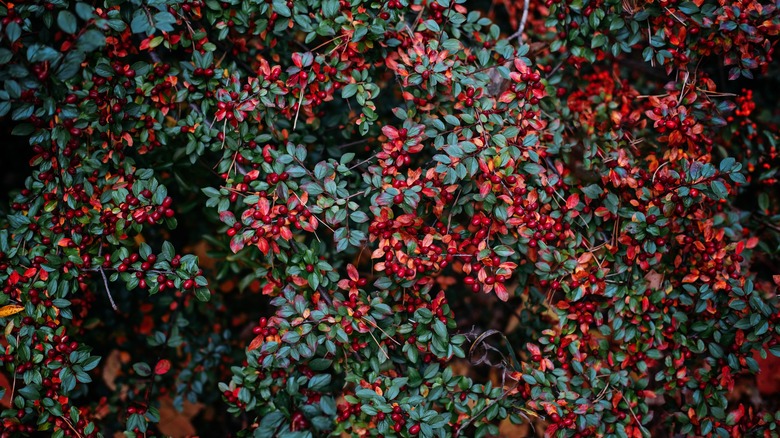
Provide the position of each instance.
(727, 164)
(280, 7)
(533, 168)
(140, 23)
(203, 294)
(503, 251)
(91, 40)
(71, 66)
(41, 53)
(67, 22)
(330, 8)
(164, 21)
(592, 191)
(349, 91)
(432, 26)
(13, 31)
(142, 369)
(23, 111)
(84, 11)
(598, 41)
(719, 189)
(440, 329)
(688, 8)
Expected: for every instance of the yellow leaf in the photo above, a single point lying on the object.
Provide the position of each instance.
(10, 309)
(9, 328)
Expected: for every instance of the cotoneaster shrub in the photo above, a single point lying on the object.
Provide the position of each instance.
(375, 178)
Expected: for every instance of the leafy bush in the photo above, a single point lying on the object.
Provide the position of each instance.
(379, 193)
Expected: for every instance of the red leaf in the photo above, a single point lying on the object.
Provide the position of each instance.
(162, 367)
(352, 272)
(236, 244)
(297, 59)
(501, 292)
(228, 218)
(572, 201)
(390, 132)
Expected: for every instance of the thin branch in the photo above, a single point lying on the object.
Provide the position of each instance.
(482, 411)
(363, 162)
(523, 20)
(298, 111)
(372, 323)
(449, 218)
(108, 290)
(656, 171)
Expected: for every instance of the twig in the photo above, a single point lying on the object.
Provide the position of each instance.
(675, 16)
(650, 42)
(372, 323)
(682, 92)
(523, 20)
(641, 426)
(108, 291)
(363, 162)
(13, 385)
(315, 217)
(298, 111)
(487, 405)
(64, 418)
(656, 171)
(716, 93)
(352, 143)
(387, 356)
(449, 218)
(552, 72)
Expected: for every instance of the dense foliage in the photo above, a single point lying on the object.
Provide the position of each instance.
(381, 192)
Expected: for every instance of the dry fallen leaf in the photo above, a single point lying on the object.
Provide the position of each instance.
(177, 424)
(768, 380)
(509, 430)
(5, 384)
(10, 309)
(654, 280)
(111, 367)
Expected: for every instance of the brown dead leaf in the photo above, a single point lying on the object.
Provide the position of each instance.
(111, 368)
(200, 249)
(768, 379)
(509, 430)
(177, 424)
(461, 368)
(5, 384)
(654, 280)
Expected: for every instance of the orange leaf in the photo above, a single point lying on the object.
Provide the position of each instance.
(10, 309)
(256, 342)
